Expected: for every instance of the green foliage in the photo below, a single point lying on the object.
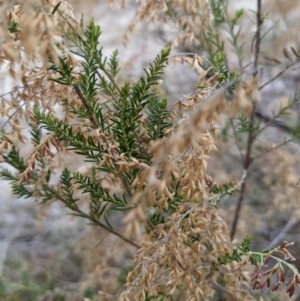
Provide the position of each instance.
(128, 104)
(240, 250)
(67, 186)
(65, 72)
(159, 117)
(28, 288)
(132, 101)
(159, 297)
(123, 274)
(226, 189)
(99, 195)
(64, 132)
(114, 64)
(13, 27)
(214, 45)
(56, 7)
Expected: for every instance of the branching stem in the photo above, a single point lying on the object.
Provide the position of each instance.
(251, 137)
(86, 105)
(74, 207)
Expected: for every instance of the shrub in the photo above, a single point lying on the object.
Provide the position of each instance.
(147, 158)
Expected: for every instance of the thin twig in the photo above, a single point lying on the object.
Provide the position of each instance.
(247, 163)
(277, 75)
(272, 27)
(91, 218)
(20, 107)
(74, 207)
(191, 54)
(235, 138)
(97, 222)
(272, 120)
(141, 146)
(108, 75)
(125, 183)
(281, 236)
(273, 148)
(251, 137)
(259, 22)
(14, 90)
(86, 105)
